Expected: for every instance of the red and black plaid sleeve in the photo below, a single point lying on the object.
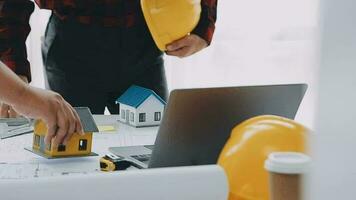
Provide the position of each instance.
(206, 25)
(14, 29)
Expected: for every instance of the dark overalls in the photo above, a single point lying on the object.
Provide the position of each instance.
(92, 65)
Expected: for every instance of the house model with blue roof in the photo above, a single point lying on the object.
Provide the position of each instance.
(140, 107)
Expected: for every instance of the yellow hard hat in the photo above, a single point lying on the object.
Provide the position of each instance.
(170, 20)
(247, 149)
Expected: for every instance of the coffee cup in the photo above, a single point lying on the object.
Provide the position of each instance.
(286, 172)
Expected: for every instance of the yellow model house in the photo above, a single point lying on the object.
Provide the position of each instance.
(79, 145)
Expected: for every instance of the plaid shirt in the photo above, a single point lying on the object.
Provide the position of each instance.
(15, 14)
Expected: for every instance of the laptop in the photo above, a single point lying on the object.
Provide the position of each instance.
(197, 122)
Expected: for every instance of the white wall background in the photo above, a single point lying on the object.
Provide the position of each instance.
(256, 42)
(334, 175)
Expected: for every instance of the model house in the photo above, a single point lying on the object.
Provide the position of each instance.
(140, 107)
(79, 145)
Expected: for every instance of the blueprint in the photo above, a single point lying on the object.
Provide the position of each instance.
(35, 169)
(18, 163)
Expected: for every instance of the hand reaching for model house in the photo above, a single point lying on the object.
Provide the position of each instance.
(61, 119)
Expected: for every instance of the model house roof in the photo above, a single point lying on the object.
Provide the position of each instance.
(87, 119)
(136, 95)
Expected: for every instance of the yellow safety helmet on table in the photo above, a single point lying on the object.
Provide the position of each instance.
(247, 149)
(170, 20)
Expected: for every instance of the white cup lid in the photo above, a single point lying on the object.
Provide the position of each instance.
(288, 163)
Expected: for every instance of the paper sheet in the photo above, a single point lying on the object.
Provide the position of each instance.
(183, 183)
(13, 131)
(14, 121)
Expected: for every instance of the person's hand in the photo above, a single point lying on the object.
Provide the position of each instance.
(186, 46)
(61, 119)
(7, 111)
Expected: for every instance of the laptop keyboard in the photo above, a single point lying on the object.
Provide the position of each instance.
(142, 158)
(150, 147)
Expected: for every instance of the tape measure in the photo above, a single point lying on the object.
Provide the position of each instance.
(111, 162)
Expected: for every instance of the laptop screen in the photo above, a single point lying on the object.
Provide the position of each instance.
(197, 122)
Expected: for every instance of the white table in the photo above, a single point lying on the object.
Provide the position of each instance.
(17, 163)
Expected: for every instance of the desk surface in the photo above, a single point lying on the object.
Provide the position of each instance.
(17, 163)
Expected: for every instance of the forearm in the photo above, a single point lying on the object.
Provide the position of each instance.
(61, 119)
(12, 87)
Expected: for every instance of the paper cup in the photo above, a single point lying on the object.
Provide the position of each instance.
(286, 173)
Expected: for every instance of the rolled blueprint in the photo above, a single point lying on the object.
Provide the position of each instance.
(181, 183)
